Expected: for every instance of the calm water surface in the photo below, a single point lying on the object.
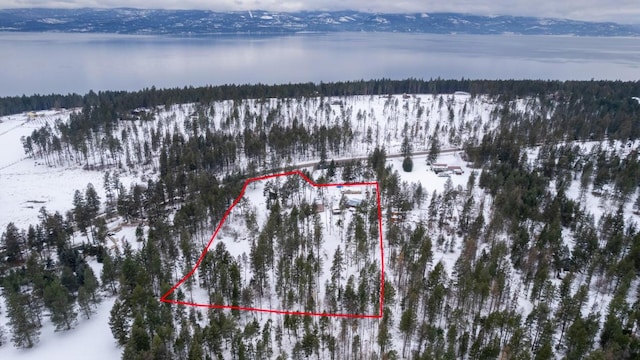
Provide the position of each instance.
(61, 63)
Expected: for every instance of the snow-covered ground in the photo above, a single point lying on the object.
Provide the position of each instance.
(333, 220)
(376, 120)
(90, 339)
(432, 182)
(26, 185)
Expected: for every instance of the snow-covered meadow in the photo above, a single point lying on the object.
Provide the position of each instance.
(26, 184)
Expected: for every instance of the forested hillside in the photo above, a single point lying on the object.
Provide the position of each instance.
(525, 245)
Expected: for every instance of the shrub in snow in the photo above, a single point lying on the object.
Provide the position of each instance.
(407, 164)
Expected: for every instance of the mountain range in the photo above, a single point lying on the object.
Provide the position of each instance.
(259, 22)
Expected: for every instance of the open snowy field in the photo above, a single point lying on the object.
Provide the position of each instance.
(27, 185)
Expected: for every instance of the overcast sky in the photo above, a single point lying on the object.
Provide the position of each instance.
(622, 11)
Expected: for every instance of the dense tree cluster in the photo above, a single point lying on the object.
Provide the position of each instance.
(531, 265)
(46, 276)
(586, 108)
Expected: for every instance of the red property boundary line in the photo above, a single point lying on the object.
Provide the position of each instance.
(165, 298)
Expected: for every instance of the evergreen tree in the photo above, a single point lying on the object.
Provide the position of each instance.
(23, 324)
(348, 171)
(91, 284)
(69, 280)
(377, 162)
(337, 266)
(331, 170)
(407, 164)
(139, 338)
(80, 215)
(195, 348)
(2, 335)
(407, 325)
(92, 207)
(13, 243)
(406, 147)
(434, 150)
(580, 337)
(159, 349)
(384, 335)
(92, 201)
(60, 304)
(119, 322)
(109, 273)
(84, 302)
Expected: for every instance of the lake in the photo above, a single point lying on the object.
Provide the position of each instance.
(61, 63)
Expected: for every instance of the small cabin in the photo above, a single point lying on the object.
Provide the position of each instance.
(436, 168)
(318, 207)
(456, 170)
(350, 190)
(352, 202)
(397, 215)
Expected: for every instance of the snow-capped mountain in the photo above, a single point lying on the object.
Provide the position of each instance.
(204, 23)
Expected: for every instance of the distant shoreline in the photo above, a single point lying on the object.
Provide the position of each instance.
(203, 23)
